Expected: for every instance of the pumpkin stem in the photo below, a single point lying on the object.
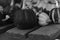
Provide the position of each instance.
(12, 2)
(57, 4)
(23, 7)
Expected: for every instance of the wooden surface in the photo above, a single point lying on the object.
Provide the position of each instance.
(18, 34)
(43, 33)
(46, 33)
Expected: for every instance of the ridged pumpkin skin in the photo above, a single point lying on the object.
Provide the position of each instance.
(44, 19)
(54, 15)
(25, 18)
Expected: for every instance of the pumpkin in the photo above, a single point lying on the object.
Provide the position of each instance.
(54, 15)
(44, 19)
(26, 19)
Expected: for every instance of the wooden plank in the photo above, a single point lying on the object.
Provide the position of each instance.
(45, 33)
(16, 33)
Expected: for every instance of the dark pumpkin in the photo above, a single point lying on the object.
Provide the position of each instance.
(25, 18)
(54, 15)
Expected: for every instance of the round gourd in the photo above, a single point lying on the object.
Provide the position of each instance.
(25, 18)
(43, 19)
(54, 15)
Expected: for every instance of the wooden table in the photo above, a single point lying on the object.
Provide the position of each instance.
(43, 33)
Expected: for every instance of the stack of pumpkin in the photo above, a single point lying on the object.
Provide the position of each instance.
(27, 18)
